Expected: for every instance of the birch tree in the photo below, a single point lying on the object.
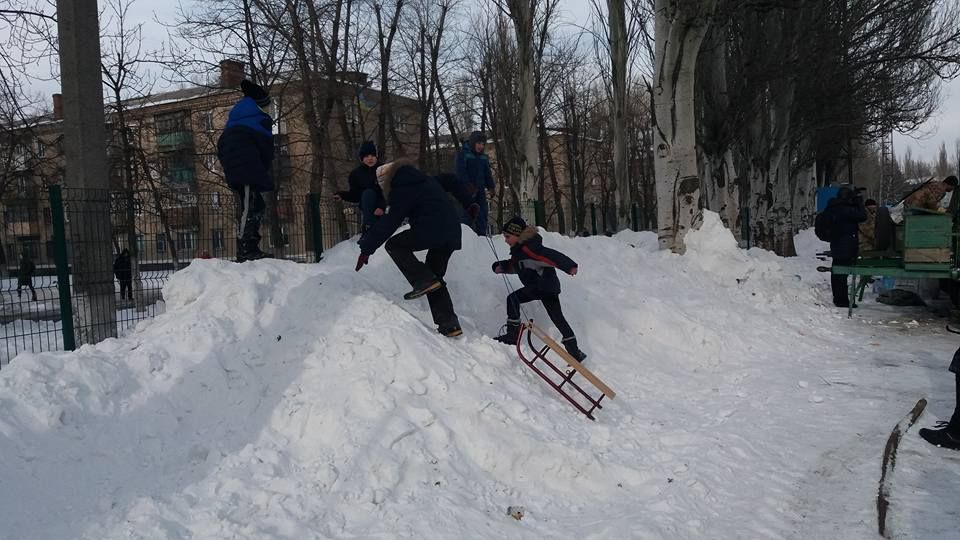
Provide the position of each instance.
(680, 27)
(523, 13)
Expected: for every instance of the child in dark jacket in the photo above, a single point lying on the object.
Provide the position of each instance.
(364, 189)
(536, 266)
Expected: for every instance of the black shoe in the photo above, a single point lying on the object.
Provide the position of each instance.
(422, 289)
(253, 256)
(510, 335)
(450, 329)
(941, 437)
(573, 350)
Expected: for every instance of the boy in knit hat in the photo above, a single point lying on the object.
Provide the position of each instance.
(245, 150)
(536, 266)
(473, 169)
(364, 189)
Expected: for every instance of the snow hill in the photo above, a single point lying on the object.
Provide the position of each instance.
(277, 400)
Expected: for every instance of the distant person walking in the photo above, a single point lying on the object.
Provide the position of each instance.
(25, 276)
(123, 270)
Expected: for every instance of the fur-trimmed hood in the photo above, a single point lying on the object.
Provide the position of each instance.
(387, 172)
(528, 234)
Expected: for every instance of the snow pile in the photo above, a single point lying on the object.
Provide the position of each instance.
(808, 245)
(276, 400)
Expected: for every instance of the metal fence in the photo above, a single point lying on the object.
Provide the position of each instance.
(50, 283)
(54, 272)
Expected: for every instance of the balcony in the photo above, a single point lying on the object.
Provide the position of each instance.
(180, 176)
(184, 217)
(174, 139)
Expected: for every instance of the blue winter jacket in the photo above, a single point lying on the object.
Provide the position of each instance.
(423, 200)
(245, 148)
(536, 264)
(474, 168)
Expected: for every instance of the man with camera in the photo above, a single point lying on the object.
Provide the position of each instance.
(845, 213)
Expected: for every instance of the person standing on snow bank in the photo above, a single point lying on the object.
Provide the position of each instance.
(845, 213)
(245, 150)
(473, 168)
(364, 189)
(948, 434)
(535, 265)
(434, 227)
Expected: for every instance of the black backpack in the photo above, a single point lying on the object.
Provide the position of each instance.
(823, 226)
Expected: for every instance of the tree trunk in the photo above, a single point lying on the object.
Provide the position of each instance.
(616, 13)
(680, 29)
(522, 14)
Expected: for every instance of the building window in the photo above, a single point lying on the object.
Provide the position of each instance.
(141, 245)
(161, 243)
(205, 119)
(217, 240)
(41, 149)
(186, 241)
(215, 199)
(171, 122)
(401, 124)
(210, 162)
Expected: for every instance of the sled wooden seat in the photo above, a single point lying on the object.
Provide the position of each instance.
(555, 376)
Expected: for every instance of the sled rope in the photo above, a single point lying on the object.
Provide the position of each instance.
(506, 281)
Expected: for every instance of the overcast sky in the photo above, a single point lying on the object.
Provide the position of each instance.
(944, 127)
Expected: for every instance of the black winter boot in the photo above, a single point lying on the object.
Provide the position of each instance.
(945, 437)
(570, 345)
(421, 289)
(450, 329)
(249, 250)
(511, 334)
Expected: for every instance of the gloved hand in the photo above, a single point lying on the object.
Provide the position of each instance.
(473, 210)
(362, 261)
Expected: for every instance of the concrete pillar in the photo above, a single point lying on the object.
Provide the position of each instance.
(86, 176)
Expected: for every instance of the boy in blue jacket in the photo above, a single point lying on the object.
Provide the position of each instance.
(245, 150)
(473, 169)
(536, 266)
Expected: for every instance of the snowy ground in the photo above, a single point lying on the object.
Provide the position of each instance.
(276, 400)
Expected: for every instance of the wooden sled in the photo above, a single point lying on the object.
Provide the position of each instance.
(579, 398)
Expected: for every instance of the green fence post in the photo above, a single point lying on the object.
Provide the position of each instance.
(593, 217)
(63, 267)
(316, 226)
(538, 213)
(635, 215)
(746, 226)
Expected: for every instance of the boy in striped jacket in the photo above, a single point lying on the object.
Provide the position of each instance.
(536, 266)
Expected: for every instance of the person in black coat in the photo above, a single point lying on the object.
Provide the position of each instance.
(364, 189)
(245, 150)
(948, 436)
(123, 270)
(846, 212)
(434, 227)
(25, 275)
(536, 266)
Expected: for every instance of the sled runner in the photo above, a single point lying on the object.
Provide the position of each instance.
(555, 376)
